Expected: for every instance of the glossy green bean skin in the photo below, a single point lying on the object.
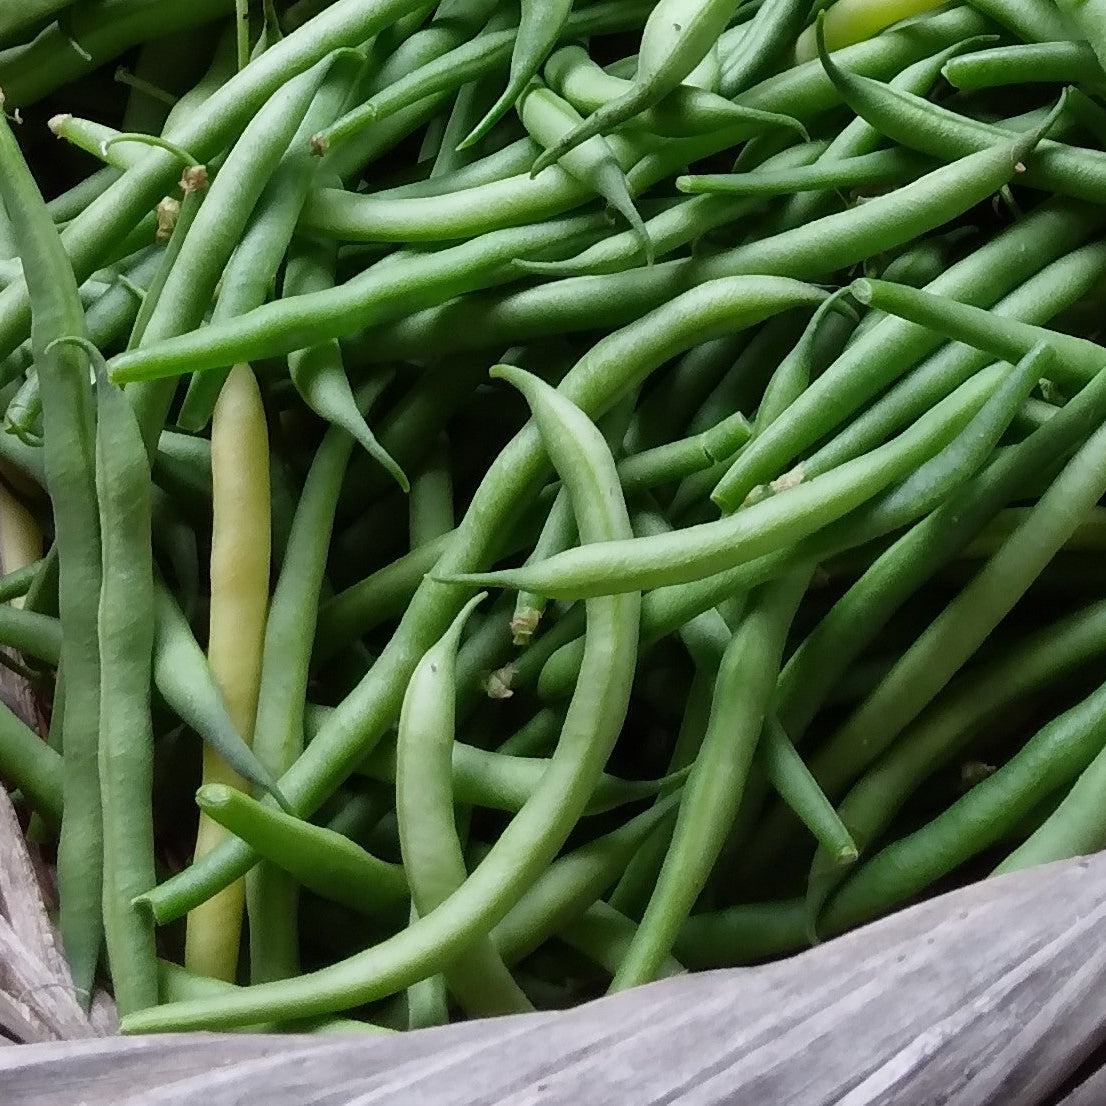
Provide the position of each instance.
(126, 738)
(431, 849)
(320, 859)
(711, 796)
(69, 451)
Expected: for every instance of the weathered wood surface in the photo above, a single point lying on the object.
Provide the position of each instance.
(992, 995)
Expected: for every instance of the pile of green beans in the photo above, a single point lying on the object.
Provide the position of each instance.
(502, 502)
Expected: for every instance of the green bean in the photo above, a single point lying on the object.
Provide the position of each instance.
(179, 217)
(813, 250)
(713, 791)
(28, 763)
(1073, 829)
(69, 461)
(892, 346)
(799, 509)
(457, 58)
(547, 117)
(184, 680)
(604, 935)
(614, 366)
(318, 372)
(761, 42)
(1031, 20)
(270, 899)
(1087, 17)
(667, 463)
(906, 118)
(1078, 360)
(804, 91)
(856, 20)
(591, 726)
(97, 139)
(321, 860)
(880, 167)
(799, 789)
(386, 290)
(573, 882)
(1062, 62)
(670, 229)
(956, 633)
(793, 374)
(222, 116)
(540, 25)
(251, 270)
(961, 716)
(1053, 757)
(126, 639)
(431, 848)
(1047, 293)
(16, 583)
(742, 934)
(677, 36)
(104, 29)
(31, 633)
(502, 782)
(557, 534)
(686, 111)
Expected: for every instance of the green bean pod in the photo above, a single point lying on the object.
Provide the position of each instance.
(126, 746)
(431, 849)
(713, 791)
(320, 859)
(69, 452)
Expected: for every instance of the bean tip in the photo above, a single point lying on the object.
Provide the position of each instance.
(57, 122)
(862, 291)
(320, 144)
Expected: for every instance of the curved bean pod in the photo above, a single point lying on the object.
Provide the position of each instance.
(433, 859)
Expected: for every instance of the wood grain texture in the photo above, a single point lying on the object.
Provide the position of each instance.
(991, 995)
(37, 1000)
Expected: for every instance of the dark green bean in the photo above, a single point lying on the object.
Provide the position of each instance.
(70, 467)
